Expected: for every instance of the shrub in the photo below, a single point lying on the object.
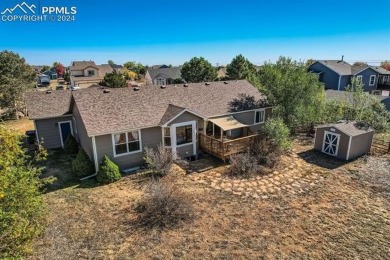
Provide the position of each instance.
(108, 171)
(159, 161)
(244, 165)
(278, 133)
(82, 165)
(71, 146)
(163, 205)
(265, 152)
(21, 203)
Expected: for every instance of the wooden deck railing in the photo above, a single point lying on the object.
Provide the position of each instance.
(223, 149)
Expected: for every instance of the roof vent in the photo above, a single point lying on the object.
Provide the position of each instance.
(48, 91)
(136, 88)
(106, 91)
(185, 85)
(163, 86)
(207, 83)
(225, 82)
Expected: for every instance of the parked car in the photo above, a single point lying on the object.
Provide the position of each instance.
(60, 87)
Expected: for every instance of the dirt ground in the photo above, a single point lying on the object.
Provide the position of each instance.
(345, 216)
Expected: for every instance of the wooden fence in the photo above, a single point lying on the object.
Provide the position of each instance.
(380, 146)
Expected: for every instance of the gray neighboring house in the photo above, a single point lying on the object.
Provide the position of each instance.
(120, 123)
(162, 75)
(337, 74)
(347, 97)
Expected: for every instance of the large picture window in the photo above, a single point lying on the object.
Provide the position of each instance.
(126, 143)
(259, 116)
(184, 134)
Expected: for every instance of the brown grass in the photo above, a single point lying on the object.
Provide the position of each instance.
(343, 217)
(21, 125)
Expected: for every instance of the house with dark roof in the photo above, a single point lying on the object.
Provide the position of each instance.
(121, 122)
(162, 75)
(86, 73)
(337, 74)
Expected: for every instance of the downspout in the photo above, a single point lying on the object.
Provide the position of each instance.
(95, 160)
(338, 89)
(36, 134)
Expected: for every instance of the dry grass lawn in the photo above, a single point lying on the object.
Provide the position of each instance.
(346, 216)
(21, 125)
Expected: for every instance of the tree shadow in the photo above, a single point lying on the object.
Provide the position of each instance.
(322, 160)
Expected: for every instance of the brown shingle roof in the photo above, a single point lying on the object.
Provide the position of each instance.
(124, 109)
(81, 65)
(170, 113)
(350, 128)
(47, 105)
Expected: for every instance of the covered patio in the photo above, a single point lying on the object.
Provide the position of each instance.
(226, 136)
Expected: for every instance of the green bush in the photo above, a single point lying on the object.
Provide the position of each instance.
(278, 133)
(21, 203)
(71, 146)
(82, 165)
(108, 171)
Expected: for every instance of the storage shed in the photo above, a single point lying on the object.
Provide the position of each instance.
(344, 140)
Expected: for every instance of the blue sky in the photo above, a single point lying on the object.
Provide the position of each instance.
(173, 31)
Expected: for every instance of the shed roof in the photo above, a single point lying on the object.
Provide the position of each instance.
(350, 128)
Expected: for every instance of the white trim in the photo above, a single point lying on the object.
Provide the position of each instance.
(36, 131)
(369, 82)
(182, 112)
(75, 124)
(363, 70)
(338, 88)
(337, 145)
(240, 112)
(174, 141)
(59, 127)
(349, 147)
(43, 118)
(359, 77)
(254, 118)
(128, 153)
(95, 158)
(162, 136)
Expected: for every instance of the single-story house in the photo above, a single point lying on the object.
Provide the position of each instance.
(162, 75)
(343, 140)
(121, 122)
(337, 74)
(86, 73)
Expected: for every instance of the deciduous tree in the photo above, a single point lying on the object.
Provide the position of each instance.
(297, 95)
(198, 70)
(60, 70)
(16, 76)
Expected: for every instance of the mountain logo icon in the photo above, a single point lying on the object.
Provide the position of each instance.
(25, 8)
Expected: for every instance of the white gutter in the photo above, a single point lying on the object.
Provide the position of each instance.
(95, 159)
(338, 88)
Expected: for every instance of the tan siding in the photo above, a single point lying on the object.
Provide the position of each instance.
(360, 145)
(82, 137)
(150, 137)
(49, 131)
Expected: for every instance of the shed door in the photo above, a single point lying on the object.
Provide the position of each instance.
(331, 143)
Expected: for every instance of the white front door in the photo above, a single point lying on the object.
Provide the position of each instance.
(183, 135)
(331, 143)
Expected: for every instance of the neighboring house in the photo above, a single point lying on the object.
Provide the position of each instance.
(117, 68)
(121, 122)
(51, 73)
(221, 72)
(337, 74)
(86, 73)
(162, 75)
(43, 80)
(348, 96)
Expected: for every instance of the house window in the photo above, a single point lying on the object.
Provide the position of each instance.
(359, 79)
(91, 73)
(372, 80)
(184, 134)
(167, 136)
(160, 81)
(259, 116)
(127, 143)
